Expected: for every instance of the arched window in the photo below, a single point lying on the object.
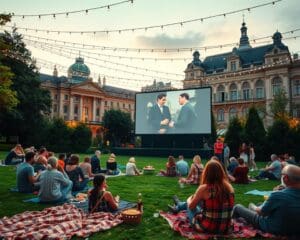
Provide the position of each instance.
(220, 115)
(220, 93)
(276, 85)
(232, 113)
(233, 92)
(296, 87)
(246, 90)
(259, 89)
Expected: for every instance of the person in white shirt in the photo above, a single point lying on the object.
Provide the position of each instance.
(131, 169)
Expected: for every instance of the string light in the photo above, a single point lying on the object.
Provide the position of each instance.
(152, 50)
(71, 12)
(154, 26)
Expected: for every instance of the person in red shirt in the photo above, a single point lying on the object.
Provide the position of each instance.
(240, 174)
(218, 149)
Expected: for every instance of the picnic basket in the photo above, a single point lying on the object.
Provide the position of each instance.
(131, 216)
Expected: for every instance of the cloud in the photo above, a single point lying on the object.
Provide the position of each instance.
(289, 13)
(164, 40)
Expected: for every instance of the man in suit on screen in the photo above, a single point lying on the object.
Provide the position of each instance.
(187, 117)
(159, 115)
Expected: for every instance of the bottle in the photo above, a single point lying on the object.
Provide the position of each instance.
(140, 203)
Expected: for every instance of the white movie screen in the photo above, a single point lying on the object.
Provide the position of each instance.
(174, 112)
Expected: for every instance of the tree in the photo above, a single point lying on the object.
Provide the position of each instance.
(8, 97)
(118, 125)
(34, 102)
(233, 136)
(255, 133)
(81, 138)
(278, 106)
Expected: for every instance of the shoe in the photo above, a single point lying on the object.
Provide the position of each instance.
(176, 200)
(252, 207)
(172, 209)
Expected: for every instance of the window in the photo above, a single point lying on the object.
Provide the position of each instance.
(259, 89)
(86, 111)
(105, 103)
(124, 105)
(233, 92)
(233, 66)
(296, 112)
(55, 96)
(232, 113)
(221, 93)
(111, 104)
(296, 88)
(77, 98)
(246, 91)
(220, 115)
(76, 109)
(65, 109)
(129, 106)
(118, 105)
(76, 118)
(54, 108)
(97, 112)
(66, 97)
(276, 85)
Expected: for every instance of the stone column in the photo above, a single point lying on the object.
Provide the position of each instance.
(80, 108)
(101, 108)
(94, 109)
(71, 110)
(61, 105)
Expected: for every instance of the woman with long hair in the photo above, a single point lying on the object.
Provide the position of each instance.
(170, 168)
(209, 209)
(101, 200)
(195, 173)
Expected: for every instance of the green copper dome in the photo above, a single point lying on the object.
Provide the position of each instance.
(79, 71)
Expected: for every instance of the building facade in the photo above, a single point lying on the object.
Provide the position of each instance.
(77, 98)
(247, 76)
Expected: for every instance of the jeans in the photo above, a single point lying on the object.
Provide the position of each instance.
(250, 216)
(81, 185)
(190, 212)
(266, 174)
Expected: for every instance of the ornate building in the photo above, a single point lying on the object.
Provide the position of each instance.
(77, 98)
(246, 76)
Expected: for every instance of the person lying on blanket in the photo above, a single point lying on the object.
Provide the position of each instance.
(101, 200)
(280, 213)
(209, 209)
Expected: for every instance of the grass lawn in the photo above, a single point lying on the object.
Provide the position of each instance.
(157, 192)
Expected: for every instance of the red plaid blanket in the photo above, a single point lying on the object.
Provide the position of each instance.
(180, 223)
(59, 222)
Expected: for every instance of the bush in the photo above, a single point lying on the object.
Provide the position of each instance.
(81, 138)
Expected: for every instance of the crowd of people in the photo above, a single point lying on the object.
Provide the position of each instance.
(210, 209)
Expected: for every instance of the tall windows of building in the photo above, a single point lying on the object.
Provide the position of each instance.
(232, 113)
(65, 109)
(233, 66)
(66, 97)
(75, 109)
(220, 115)
(259, 89)
(221, 93)
(233, 92)
(296, 88)
(276, 85)
(246, 90)
(97, 112)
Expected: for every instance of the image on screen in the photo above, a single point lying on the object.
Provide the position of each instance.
(173, 112)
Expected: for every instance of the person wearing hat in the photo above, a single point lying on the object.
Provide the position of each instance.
(131, 169)
(111, 165)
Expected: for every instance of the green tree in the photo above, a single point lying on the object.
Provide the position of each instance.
(34, 102)
(119, 126)
(278, 105)
(8, 97)
(81, 138)
(234, 136)
(255, 133)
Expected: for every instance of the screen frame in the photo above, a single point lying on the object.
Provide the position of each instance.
(174, 90)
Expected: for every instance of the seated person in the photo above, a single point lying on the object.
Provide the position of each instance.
(111, 165)
(15, 156)
(25, 175)
(240, 174)
(171, 168)
(279, 214)
(194, 176)
(86, 168)
(209, 209)
(95, 162)
(131, 169)
(101, 200)
(61, 160)
(40, 164)
(233, 163)
(54, 186)
(271, 171)
(182, 167)
(75, 174)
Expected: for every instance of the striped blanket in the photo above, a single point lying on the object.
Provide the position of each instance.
(59, 222)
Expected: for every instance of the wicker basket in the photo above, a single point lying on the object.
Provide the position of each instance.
(132, 216)
(148, 171)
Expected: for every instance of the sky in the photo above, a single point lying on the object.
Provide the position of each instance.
(133, 69)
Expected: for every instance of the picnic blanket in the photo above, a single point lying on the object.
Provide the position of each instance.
(179, 223)
(59, 222)
(259, 193)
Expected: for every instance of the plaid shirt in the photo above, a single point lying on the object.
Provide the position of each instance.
(215, 217)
